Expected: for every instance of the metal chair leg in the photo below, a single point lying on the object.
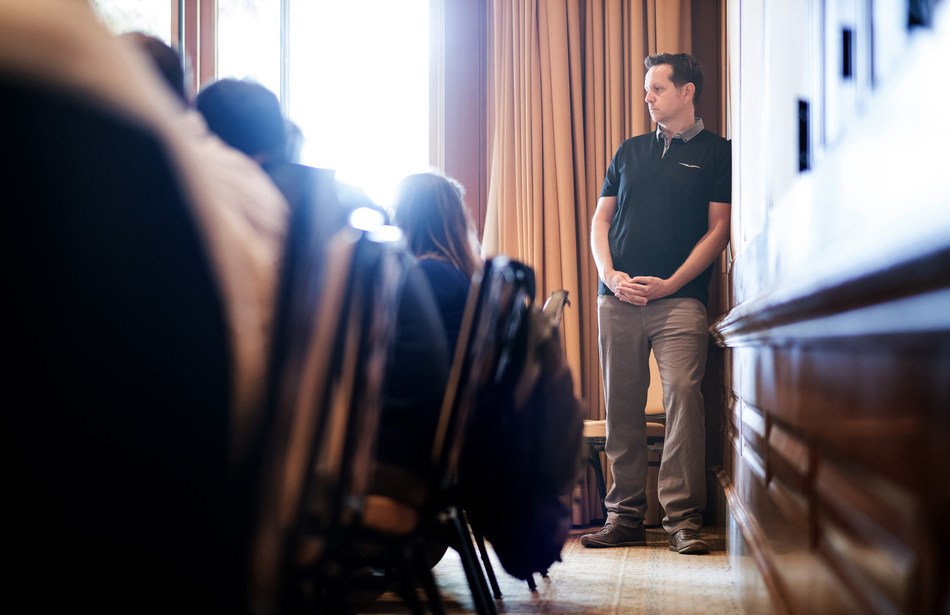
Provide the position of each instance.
(484, 605)
(486, 562)
(531, 584)
(594, 460)
(421, 562)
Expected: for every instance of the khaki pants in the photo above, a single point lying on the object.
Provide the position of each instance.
(676, 331)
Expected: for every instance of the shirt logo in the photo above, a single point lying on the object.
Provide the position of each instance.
(691, 166)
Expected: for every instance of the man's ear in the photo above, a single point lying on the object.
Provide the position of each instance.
(688, 90)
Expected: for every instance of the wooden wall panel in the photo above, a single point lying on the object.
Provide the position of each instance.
(841, 470)
(868, 532)
(836, 373)
(834, 521)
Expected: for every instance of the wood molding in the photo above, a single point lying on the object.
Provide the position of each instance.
(847, 291)
(758, 546)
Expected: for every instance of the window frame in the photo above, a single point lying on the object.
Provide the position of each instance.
(194, 30)
(458, 142)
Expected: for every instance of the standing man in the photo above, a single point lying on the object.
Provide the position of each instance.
(661, 221)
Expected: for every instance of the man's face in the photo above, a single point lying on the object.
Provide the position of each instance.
(666, 102)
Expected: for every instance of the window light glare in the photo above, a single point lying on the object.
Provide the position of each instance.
(359, 89)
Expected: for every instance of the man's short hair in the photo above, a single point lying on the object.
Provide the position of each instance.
(686, 69)
(245, 115)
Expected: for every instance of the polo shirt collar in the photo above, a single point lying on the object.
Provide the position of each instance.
(685, 135)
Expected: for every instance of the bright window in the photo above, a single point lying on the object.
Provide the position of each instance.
(354, 76)
(359, 89)
(249, 41)
(150, 16)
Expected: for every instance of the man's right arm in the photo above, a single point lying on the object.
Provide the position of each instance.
(600, 246)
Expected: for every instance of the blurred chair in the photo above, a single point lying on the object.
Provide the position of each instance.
(118, 367)
(553, 310)
(554, 305)
(519, 368)
(400, 538)
(473, 366)
(508, 291)
(390, 534)
(326, 399)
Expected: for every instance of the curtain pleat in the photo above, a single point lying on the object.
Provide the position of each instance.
(567, 78)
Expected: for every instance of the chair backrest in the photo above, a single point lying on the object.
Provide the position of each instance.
(118, 364)
(499, 298)
(553, 308)
(326, 405)
(522, 444)
(458, 390)
(345, 455)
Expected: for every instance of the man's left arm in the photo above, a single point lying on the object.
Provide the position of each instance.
(704, 253)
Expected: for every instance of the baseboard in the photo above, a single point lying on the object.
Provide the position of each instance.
(759, 587)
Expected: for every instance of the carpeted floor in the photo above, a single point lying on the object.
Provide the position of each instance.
(633, 580)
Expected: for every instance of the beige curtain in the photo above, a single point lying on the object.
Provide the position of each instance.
(565, 89)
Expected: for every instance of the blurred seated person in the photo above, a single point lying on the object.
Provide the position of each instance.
(248, 116)
(141, 255)
(248, 201)
(430, 210)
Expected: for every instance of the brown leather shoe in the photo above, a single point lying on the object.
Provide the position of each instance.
(613, 535)
(688, 542)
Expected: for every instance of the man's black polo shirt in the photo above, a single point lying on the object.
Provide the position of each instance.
(663, 204)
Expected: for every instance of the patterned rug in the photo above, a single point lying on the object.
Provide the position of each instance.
(649, 579)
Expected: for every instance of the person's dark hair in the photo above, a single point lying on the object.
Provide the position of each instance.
(169, 62)
(686, 69)
(430, 210)
(246, 116)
